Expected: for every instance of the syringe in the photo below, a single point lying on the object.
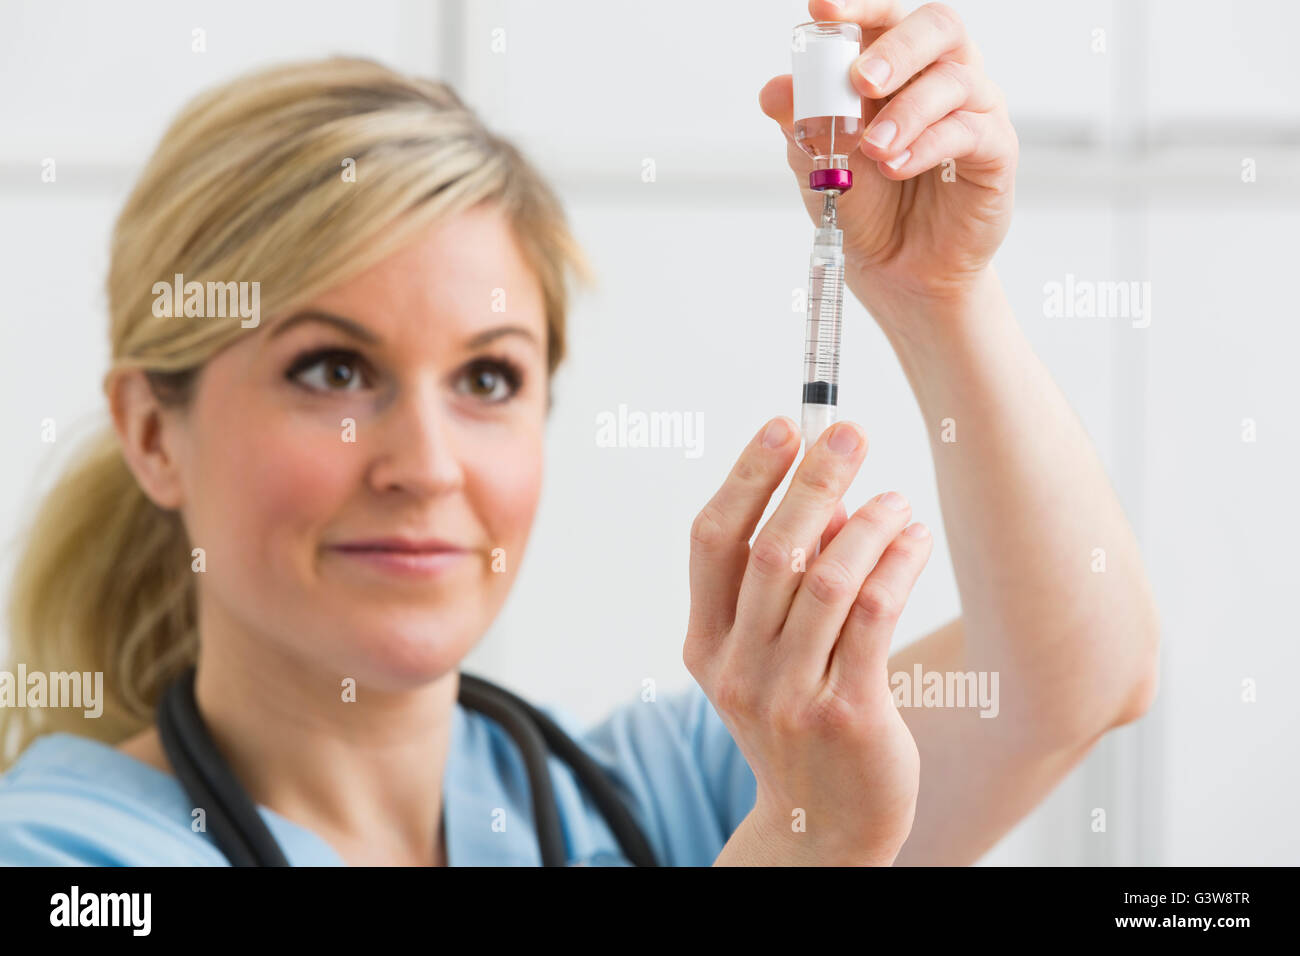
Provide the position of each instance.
(821, 366)
(828, 126)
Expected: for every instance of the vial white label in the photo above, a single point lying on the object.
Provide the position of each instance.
(821, 77)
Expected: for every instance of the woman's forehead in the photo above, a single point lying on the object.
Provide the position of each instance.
(464, 275)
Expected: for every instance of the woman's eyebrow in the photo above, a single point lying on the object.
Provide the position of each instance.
(354, 329)
(483, 338)
(359, 331)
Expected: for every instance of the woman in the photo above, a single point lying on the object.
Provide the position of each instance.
(324, 511)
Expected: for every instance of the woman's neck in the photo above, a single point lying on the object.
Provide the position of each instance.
(363, 770)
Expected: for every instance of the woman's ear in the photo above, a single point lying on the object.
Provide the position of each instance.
(146, 432)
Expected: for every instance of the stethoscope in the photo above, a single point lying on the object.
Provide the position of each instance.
(241, 834)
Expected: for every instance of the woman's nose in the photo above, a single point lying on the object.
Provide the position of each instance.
(413, 447)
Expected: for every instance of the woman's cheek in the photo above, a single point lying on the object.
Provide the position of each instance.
(506, 498)
(280, 490)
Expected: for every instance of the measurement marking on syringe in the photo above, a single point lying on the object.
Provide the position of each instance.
(824, 315)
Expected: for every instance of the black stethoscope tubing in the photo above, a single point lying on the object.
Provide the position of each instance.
(241, 834)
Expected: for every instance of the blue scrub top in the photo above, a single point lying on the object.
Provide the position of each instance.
(71, 800)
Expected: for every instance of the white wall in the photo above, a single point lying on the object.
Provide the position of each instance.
(1130, 170)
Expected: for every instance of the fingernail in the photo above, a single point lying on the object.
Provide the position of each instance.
(876, 71)
(894, 500)
(837, 3)
(882, 134)
(917, 530)
(845, 440)
(897, 162)
(776, 434)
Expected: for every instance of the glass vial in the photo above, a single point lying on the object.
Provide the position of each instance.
(828, 122)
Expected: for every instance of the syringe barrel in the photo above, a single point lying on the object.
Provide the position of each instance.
(822, 340)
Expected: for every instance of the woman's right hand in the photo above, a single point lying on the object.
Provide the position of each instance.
(795, 661)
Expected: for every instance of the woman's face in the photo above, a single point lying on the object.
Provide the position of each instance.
(314, 454)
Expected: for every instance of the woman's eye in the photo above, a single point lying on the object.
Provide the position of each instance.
(492, 380)
(332, 371)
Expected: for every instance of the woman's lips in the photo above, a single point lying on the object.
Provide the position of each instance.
(412, 559)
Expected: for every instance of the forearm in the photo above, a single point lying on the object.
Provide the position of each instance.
(1031, 521)
(758, 841)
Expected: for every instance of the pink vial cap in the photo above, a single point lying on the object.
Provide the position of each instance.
(840, 179)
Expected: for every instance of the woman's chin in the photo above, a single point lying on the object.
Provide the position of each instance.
(390, 646)
(405, 659)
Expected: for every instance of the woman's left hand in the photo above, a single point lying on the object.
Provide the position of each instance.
(916, 232)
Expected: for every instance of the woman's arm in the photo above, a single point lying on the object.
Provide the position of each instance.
(1028, 510)
(1030, 517)
(759, 841)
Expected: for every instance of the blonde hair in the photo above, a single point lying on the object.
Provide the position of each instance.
(248, 182)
